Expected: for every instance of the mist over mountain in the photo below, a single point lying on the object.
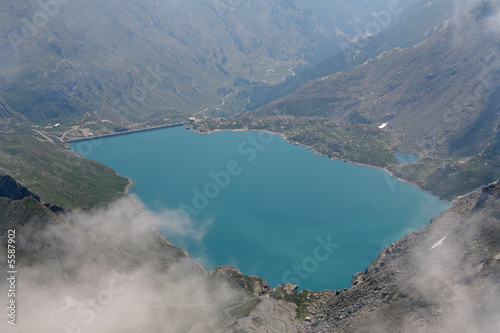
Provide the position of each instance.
(417, 97)
(130, 61)
(165, 56)
(390, 25)
(62, 59)
(108, 270)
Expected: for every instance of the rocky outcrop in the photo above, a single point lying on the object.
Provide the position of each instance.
(290, 288)
(55, 208)
(11, 189)
(232, 275)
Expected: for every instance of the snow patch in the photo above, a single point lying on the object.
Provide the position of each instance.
(438, 243)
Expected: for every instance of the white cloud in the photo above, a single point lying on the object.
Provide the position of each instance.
(79, 288)
(494, 23)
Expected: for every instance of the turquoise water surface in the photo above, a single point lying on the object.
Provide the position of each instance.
(272, 209)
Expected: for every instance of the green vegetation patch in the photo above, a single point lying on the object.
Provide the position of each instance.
(450, 178)
(57, 174)
(302, 299)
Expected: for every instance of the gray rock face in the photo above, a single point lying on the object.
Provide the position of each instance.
(252, 284)
(290, 288)
(11, 189)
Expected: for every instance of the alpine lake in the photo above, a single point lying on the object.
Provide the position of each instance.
(272, 209)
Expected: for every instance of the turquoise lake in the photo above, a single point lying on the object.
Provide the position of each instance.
(270, 208)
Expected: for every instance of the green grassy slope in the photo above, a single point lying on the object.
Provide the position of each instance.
(57, 174)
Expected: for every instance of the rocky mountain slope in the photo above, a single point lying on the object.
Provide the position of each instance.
(392, 24)
(134, 61)
(437, 99)
(433, 107)
(110, 59)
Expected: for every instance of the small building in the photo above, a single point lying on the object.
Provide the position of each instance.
(191, 119)
(56, 125)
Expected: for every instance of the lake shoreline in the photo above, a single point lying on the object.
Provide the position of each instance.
(127, 188)
(130, 183)
(319, 154)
